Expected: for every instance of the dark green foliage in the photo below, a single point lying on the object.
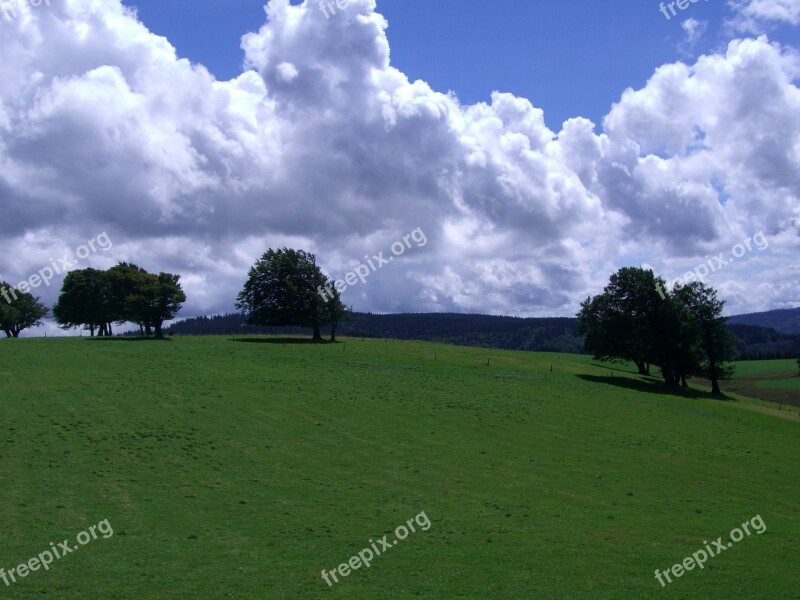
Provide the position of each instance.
(283, 289)
(85, 301)
(705, 328)
(631, 321)
(19, 311)
(95, 299)
(682, 332)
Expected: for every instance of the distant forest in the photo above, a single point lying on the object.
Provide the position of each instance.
(507, 333)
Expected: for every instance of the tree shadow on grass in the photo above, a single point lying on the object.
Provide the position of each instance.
(619, 367)
(282, 340)
(651, 387)
(127, 339)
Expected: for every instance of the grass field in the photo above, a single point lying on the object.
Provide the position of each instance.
(765, 368)
(792, 383)
(774, 381)
(242, 469)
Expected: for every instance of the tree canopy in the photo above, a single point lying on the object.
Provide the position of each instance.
(283, 289)
(682, 332)
(95, 299)
(19, 311)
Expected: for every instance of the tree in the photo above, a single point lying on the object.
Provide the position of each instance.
(165, 297)
(282, 289)
(629, 321)
(681, 332)
(128, 303)
(125, 293)
(334, 310)
(715, 341)
(19, 311)
(85, 301)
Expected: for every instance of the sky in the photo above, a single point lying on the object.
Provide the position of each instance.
(536, 147)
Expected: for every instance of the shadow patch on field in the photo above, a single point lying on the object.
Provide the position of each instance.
(287, 340)
(127, 339)
(651, 387)
(610, 367)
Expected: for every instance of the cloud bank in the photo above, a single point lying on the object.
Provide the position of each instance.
(322, 144)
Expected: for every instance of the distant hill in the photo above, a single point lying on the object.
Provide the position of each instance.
(558, 334)
(507, 333)
(782, 321)
(755, 343)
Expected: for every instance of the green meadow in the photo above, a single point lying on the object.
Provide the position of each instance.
(243, 468)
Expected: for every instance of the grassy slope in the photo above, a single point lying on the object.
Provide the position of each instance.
(240, 470)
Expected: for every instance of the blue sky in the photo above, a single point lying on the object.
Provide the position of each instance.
(582, 137)
(569, 58)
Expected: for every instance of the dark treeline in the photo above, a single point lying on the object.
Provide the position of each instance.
(762, 343)
(506, 333)
(485, 331)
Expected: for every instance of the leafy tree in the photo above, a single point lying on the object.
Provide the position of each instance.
(129, 301)
(19, 311)
(708, 328)
(124, 293)
(85, 301)
(334, 310)
(165, 296)
(282, 289)
(682, 332)
(629, 321)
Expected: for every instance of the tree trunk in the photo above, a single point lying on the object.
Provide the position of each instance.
(333, 331)
(15, 332)
(148, 329)
(159, 332)
(712, 368)
(642, 368)
(91, 329)
(317, 334)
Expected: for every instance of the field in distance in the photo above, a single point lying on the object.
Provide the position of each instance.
(242, 469)
(774, 381)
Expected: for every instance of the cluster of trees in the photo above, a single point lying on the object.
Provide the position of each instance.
(682, 332)
(95, 299)
(282, 289)
(19, 310)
